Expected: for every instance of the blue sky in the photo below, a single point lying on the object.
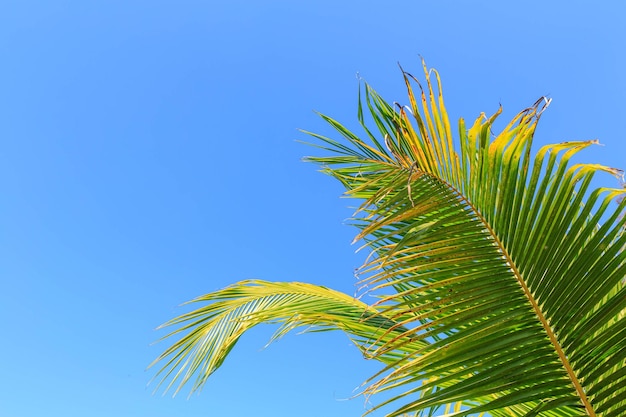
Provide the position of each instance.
(149, 155)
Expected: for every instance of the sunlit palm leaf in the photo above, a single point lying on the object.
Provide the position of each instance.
(208, 333)
(496, 256)
(500, 274)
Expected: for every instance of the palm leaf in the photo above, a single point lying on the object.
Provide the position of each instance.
(499, 272)
(208, 333)
(498, 257)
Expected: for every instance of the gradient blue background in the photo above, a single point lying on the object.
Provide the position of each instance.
(148, 155)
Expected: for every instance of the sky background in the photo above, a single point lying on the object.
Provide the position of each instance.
(149, 155)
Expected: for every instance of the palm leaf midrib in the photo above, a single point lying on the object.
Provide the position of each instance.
(541, 317)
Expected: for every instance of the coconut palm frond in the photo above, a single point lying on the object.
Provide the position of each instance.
(499, 270)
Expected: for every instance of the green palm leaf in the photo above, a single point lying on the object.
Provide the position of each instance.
(500, 274)
(210, 332)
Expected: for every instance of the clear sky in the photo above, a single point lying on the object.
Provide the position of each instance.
(148, 155)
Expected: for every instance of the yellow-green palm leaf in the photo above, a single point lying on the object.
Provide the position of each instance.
(208, 333)
(500, 273)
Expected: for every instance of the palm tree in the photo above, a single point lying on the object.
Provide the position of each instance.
(499, 274)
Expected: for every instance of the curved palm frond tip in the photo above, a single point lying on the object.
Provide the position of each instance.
(500, 273)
